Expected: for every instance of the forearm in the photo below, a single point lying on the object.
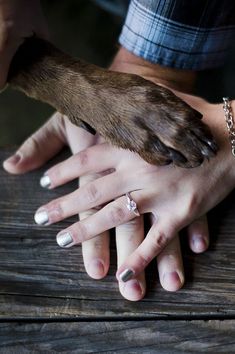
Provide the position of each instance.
(189, 35)
(177, 79)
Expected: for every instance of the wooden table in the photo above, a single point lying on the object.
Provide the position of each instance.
(49, 304)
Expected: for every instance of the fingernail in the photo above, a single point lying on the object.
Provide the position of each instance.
(14, 159)
(45, 181)
(199, 243)
(133, 288)
(64, 240)
(172, 281)
(96, 268)
(126, 275)
(41, 218)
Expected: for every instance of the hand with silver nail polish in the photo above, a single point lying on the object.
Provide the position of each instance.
(174, 197)
(128, 235)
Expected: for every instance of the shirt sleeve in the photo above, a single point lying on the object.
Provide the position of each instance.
(194, 35)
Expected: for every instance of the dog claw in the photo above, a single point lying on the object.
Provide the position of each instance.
(207, 152)
(176, 156)
(213, 145)
(87, 127)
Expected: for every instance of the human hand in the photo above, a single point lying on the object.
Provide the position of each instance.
(19, 19)
(174, 196)
(43, 145)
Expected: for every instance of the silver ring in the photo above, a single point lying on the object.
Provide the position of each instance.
(131, 205)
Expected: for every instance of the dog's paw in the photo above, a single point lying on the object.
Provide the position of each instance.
(125, 109)
(151, 121)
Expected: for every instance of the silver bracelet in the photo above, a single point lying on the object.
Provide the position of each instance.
(230, 122)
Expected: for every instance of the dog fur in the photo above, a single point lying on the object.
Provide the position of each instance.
(127, 110)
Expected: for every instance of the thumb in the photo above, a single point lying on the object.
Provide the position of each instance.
(39, 147)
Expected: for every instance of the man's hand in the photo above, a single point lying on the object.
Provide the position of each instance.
(19, 19)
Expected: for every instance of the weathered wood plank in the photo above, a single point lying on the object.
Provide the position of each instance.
(38, 279)
(119, 337)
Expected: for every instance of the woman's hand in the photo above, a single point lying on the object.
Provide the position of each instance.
(46, 143)
(19, 19)
(174, 196)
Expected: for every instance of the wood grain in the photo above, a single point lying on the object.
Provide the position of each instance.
(40, 280)
(132, 337)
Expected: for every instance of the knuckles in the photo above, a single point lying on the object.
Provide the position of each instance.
(117, 215)
(143, 259)
(92, 194)
(80, 233)
(82, 158)
(55, 211)
(159, 241)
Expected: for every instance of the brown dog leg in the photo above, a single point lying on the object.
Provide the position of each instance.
(125, 109)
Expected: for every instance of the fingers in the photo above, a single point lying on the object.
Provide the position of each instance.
(85, 162)
(112, 215)
(38, 148)
(95, 251)
(159, 236)
(96, 254)
(198, 234)
(89, 196)
(170, 266)
(128, 237)
(156, 240)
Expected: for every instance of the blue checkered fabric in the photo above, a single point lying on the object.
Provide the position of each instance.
(185, 34)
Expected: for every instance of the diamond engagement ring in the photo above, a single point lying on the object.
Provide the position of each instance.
(131, 205)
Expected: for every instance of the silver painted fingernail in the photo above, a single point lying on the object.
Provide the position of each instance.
(41, 218)
(45, 182)
(64, 240)
(126, 275)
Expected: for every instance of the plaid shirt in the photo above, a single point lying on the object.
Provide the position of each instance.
(185, 34)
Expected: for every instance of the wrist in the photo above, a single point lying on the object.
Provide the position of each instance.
(177, 79)
(214, 117)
